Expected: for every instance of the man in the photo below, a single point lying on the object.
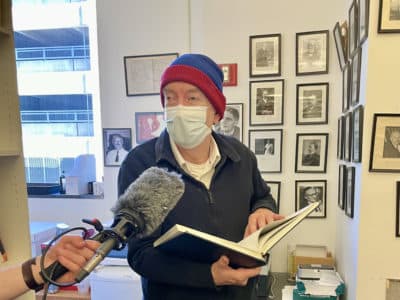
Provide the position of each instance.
(118, 153)
(311, 195)
(312, 158)
(228, 124)
(71, 251)
(391, 147)
(224, 192)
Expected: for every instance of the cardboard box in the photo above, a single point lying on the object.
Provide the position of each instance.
(300, 260)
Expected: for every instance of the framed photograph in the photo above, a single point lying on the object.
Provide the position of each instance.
(275, 187)
(265, 55)
(116, 144)
(385, 145)
(342, 184)
(143, 73)
(230, 74)
(312, 101)
(148, 125)
(358, 116)
(346, 88)
(311, 152)
(232, 122)
(347, 137)
(389, 16)
(312, 52)
(310, 191)
(340, 134)
(353, 28)
(363, 13)
(398, 208)
(355, 77)
(266, 102)
(267, 146)
(350, 178)
(340, 44)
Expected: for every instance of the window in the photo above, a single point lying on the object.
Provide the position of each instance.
(57, 85)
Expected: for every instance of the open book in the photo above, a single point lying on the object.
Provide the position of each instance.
(249, 252)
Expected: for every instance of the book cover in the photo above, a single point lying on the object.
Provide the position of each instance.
(250, 252)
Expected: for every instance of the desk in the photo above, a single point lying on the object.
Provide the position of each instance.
(63, 295)
(280, 280)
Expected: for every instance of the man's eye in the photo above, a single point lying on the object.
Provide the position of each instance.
(192, 98)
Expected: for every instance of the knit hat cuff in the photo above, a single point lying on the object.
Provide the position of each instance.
(193, 76)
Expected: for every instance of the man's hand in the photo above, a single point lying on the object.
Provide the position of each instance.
(223, 274)
(72, 252)
(260, 218)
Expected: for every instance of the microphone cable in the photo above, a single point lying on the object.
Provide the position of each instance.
(47, 275)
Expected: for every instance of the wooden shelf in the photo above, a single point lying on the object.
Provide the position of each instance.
(9, 153)
(5, 31)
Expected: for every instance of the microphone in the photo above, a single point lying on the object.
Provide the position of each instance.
(138, 212)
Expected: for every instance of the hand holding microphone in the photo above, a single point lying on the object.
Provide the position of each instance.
(138, 212)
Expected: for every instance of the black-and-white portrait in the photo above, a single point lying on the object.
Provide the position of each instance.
(311, 191)
(311, 152)
(394, 10)
(349, 206)
(265, 54)
(231, 123)
(312, 104)
(358, 113)
(265, 101)
(312, 52)
(391, 145)
(117, 143)
(267, 146)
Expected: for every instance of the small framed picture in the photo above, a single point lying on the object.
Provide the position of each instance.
(230, 74)
(265, 55)
(389, 16)
(266, 102)
(311, 152)
(346, 88)
(358, 116)
(340, 134)
(267, 146)
(275, 187)
(116, 144)
(350, 178)
(353, 28)
(355, 77)
(398, 208)
(143, 73)
(340, 44)
(310, 191)
(342, 184)
(312, 103)
(232, 122)
(385, 146)
(312, 52)
(148, 125)
(363, 12)
(347, 137)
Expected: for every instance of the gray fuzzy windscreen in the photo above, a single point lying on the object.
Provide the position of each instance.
(153, 195)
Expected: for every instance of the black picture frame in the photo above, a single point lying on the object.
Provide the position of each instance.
(122, 136)
(265, 55)
(267, 146)
(311, 152)
(385, 154)
(266, 102)
(148, 125)
(342, 182)
(389, 18)
(347, 136)
(275, 189)
(143, 73)
(346, 75)
(398, 209)
(340, 139)
(350, 178)
(312, 52)
(232, 122)
(357, 133)
(316, 189)
(355, 77)
(363, 24)
(353, 29)
(340, 45)
(312, 103)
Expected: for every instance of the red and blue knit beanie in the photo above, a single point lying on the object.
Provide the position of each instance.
(202, 72)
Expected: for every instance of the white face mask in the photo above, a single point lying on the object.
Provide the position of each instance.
(187, 125)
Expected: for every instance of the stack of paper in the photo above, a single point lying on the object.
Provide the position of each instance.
(329, 284)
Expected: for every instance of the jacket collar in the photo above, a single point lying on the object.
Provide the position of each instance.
(164, 152)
